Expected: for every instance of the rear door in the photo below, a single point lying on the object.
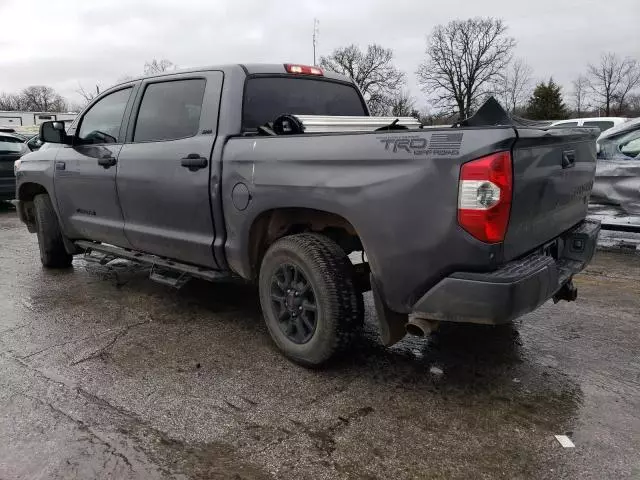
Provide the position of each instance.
(553, 175)
(164, 168)
(85, 172)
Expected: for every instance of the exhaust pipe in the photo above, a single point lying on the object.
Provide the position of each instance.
(421, 327)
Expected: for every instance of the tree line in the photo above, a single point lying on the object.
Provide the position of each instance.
(41, 98)
(465, 62)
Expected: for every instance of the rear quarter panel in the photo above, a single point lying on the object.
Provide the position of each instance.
(399, 190)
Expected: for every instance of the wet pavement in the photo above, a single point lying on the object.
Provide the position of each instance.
(104, 374)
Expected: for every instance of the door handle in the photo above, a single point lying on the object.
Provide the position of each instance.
(194, 162)
(60, 165)
(107, 162)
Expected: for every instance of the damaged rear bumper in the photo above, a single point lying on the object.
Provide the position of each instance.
(517, 288)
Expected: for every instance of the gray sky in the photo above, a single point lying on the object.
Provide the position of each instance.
(62, 43)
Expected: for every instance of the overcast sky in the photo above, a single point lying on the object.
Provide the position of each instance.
(64, 43)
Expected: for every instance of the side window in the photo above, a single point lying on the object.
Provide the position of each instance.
(629, 145)
(169, 111)
(566, 124)
(101, 124)
(602, 124)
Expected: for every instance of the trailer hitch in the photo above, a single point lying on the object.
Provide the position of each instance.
(567, 292)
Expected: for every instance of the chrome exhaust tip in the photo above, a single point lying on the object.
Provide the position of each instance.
(421, 327)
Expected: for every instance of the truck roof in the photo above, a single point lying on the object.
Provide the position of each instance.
(248, 68)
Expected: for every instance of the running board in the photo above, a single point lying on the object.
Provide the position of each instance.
(158, 264)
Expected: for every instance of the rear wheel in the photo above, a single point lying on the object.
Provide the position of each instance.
(52, 251)
(308, 298)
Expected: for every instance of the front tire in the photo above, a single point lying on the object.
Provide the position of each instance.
(308, 297)
(52, 251)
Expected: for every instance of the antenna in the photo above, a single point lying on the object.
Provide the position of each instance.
(316, 33)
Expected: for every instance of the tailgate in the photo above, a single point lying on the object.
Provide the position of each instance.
(553, 175)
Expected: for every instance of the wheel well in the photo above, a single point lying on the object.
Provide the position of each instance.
(274, 224)
(30, 190)
(26, 195)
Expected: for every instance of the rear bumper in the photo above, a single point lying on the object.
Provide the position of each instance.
(517, 288)
(7, 188)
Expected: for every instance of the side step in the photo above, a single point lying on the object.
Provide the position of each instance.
(163, 270)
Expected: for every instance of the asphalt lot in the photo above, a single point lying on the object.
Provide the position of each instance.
(104, 374)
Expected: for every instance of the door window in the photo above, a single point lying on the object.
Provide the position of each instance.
(101, 124)
(169, 111)
(629, 145)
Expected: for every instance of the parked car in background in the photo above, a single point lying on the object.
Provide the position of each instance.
(615, 199)
(621, 142)
(603, 123)
(12, 147)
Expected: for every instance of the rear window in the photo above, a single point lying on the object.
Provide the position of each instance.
(266, 98)
(11, 145)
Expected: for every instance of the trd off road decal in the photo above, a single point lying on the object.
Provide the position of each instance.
(439, 144)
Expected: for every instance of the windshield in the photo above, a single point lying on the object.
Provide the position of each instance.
(266, 98)
(11, 145)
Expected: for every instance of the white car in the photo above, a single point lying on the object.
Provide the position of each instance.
(603, 123)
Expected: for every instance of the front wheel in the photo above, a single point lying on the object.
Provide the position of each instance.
(52, 251)
(308, 298)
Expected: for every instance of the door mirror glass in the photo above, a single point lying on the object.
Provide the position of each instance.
(53, 132)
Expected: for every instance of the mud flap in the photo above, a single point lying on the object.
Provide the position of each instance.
(392, 324)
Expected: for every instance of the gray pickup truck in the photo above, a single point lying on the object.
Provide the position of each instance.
(187, 172)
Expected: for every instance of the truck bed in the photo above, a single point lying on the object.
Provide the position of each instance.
(399, 191)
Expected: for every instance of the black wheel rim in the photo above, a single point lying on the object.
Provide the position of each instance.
(294, 303)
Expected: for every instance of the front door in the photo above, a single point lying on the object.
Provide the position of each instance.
(164, 168)
(85, 173)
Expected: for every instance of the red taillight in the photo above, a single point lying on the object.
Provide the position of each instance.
(303, 69)
(484, 197)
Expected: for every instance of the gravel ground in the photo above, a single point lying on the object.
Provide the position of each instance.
(104, 374)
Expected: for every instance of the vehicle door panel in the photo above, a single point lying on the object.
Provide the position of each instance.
(167, 206)
(85, 189)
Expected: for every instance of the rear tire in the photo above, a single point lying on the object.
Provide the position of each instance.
(52, 251)
(309, 301)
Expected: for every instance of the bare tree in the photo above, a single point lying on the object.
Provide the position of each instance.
(633, 105)
(403, 105)
(40, 98)
(513, 87)
(579, 94)
(464, 58)
(373, 71)
(11, 102)
(158, 66)
(88, 95)
(612, 80)
(630, 80)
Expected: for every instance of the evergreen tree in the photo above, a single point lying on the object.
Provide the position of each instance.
(546, 102)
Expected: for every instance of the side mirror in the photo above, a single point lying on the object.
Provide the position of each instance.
(53, 132)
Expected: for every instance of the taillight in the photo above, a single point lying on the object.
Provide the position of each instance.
(303, 69)
(484, 197)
